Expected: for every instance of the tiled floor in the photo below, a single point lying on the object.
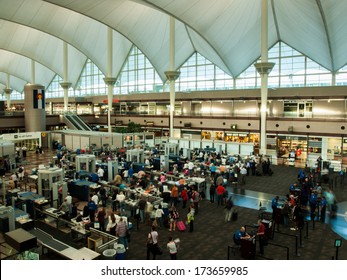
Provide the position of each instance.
(212, 235)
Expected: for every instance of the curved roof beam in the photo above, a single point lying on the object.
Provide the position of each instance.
(20, 66)
(230, 27)
(227, 32)
(16, 82)
(148, 28)
(275, 19)
(189, 30)
(321, 10)
(41, 47)
(87, 36)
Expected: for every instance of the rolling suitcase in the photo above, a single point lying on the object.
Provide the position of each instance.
(181, 226)
(234, 215)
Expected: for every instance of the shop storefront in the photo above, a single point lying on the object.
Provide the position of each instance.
(230, 137)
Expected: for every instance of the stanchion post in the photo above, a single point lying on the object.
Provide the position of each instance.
(313, 221)
(306, 236)
(301, 245)
(296, 246)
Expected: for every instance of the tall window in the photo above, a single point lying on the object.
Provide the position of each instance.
(138, 75)
(54, 89)
(198, 73)
(91, 81)
(15, 95)
(341, 76)
(292, 69)
(248, 79)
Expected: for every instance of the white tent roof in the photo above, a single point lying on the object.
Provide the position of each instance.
(227, 32)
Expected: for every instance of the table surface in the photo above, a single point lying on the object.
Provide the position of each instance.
(81, 254)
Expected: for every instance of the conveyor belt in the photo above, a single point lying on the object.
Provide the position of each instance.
(48, 240)
(63, 249)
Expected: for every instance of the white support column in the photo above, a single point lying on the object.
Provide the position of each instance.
(8, 98)
(8, 91)
(32, 72)
(65, 84)
(264, 68)
(333, 78)
(109, 80)
(172, 75)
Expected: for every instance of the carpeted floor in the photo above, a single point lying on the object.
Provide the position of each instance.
(212, 236)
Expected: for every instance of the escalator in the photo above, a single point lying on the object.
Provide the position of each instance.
(73, 121)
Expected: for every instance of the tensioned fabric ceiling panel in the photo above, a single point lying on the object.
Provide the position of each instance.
(227, 32)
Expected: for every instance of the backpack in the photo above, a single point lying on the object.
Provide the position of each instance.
(234, 215)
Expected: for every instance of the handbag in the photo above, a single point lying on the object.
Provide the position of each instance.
(157, 249)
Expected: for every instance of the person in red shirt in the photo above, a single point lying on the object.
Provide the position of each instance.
(174, 195)
(261, 235)
(184, 196)
(220, 193)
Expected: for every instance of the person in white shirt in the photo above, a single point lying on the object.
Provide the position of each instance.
(68, 198)
(24, 151)
(243, 173)
(95, 198)
(152, 240)
(126, 175)
(121, 198)
(191, 168)
(18, 151)
(100, 173)
(159, 216)
(21, 173)
(14, 178)
(171, 245)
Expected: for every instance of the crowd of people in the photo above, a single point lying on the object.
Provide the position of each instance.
(219, 171)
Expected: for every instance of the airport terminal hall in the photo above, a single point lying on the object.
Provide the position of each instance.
(173, 130)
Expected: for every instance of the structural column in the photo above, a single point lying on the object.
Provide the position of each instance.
(172, 75)
(65, 84)
(264, 68)
(34, 102)
(8, 98)
(8, 91)
(33, 72)
(109, 81)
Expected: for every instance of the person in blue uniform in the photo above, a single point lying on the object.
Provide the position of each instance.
(241, 234)
(323, 209)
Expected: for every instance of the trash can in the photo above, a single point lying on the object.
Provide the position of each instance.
(120, 251)
(109, 254)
